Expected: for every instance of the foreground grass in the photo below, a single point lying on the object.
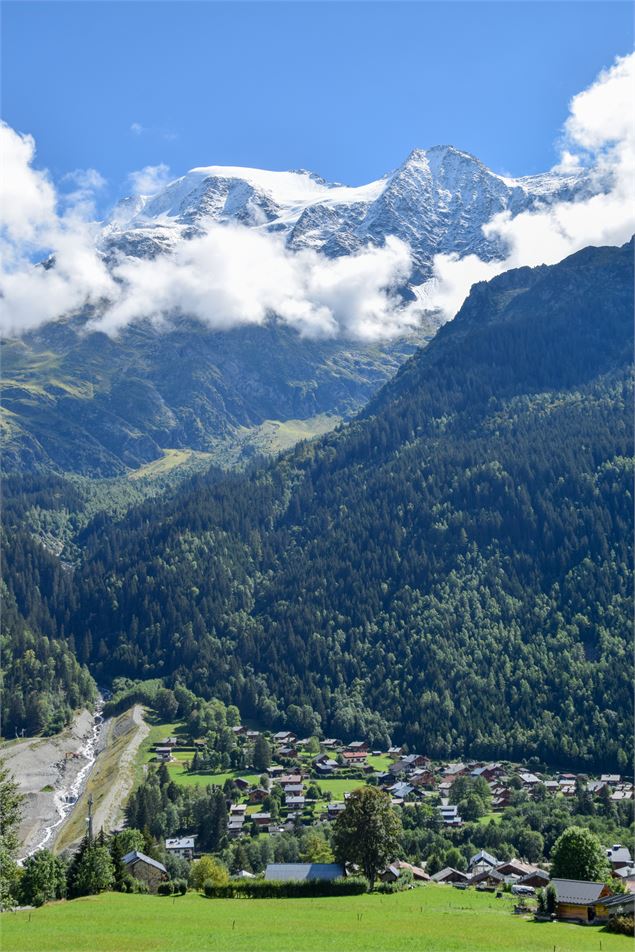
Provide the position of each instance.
(427, 919)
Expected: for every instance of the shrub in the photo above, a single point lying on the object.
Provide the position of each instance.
(622, 925)
(404, 882)
(180, 886)
(292, 889)
(166, 889)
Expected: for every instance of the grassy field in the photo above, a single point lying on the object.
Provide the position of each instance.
(180, 775)
(428, 919)
(339, 787)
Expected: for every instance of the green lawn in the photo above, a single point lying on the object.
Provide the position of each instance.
(381, 762)
(181, 776)
(339, 787)
(428, 919)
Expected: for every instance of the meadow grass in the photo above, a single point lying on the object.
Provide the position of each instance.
(426, 919)
(338, 787)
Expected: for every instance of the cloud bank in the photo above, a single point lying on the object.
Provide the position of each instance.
(599, 138)
(235, 275)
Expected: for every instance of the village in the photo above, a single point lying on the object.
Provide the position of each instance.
(305, 782)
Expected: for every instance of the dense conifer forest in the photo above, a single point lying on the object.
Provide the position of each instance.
(453, 569)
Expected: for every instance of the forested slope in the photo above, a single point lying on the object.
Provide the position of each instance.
(454, 569)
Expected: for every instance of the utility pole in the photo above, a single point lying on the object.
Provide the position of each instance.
(90, 818)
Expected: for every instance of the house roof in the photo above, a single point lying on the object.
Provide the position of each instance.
(619, 854)
(483, 857)
(180, 843)
(303, 871)
(446, 872)
(577, 892)
(135, 855)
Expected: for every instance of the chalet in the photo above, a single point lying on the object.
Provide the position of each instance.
(235, 826)
(252, 735)
(164, 754)
(238, 730)
(295, 802)
(286, 872)
(285, 779)
(331, 743)
(320, 759)
(580, 901)
(168, 742)
(284, 737)
(488, 771)
(452, 771)
(482, 861)
(418, 874)
(395, 751)
(261, 819)
(238, 809)
(275, 770)
(357, 746)
(242, 783)
(288, 751)
(538, 879)
(258, 795)
(326, 767)
(450, 815)
(612, 779)
(352, 757)
(515, 867)
(390, 875)
(620, 905)
(245, 874)
(487, 879)
(529, 779)
(334, 809)
(145, 869)
(401, 790)
(182, 846)
(422, 778)
(450, 875)
(293, 789)
(619, 856)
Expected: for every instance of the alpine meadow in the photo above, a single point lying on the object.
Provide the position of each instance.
(317, 476)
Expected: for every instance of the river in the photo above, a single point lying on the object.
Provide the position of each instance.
(67, 795)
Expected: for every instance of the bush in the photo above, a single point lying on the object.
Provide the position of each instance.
(404, 882)
(292, 889)
(180, 887)
(622, 925)
(166, 889)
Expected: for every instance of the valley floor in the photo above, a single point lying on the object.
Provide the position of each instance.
(426, 919)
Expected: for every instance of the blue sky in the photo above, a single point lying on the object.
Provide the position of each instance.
(346, 89)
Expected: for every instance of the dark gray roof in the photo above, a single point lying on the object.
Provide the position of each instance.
(136, 855)
(577, 891)
(296, 871)
(484, 857)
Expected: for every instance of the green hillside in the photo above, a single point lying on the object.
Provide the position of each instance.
(432, 918)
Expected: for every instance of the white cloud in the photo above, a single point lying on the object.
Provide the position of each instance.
(33, 227)
(599, 135)
(137, 129)
(149, 180)
(235, 275)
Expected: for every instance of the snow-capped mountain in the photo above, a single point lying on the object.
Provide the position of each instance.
(436, 201)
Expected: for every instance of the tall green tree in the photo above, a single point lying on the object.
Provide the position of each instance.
(262, 753)
(578, 854)
(367, 832)
(10, 816)
(92, 870)
(44, 878)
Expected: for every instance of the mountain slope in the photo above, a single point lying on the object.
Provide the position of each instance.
(453, 569)
(436, 201)
(78, 400)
